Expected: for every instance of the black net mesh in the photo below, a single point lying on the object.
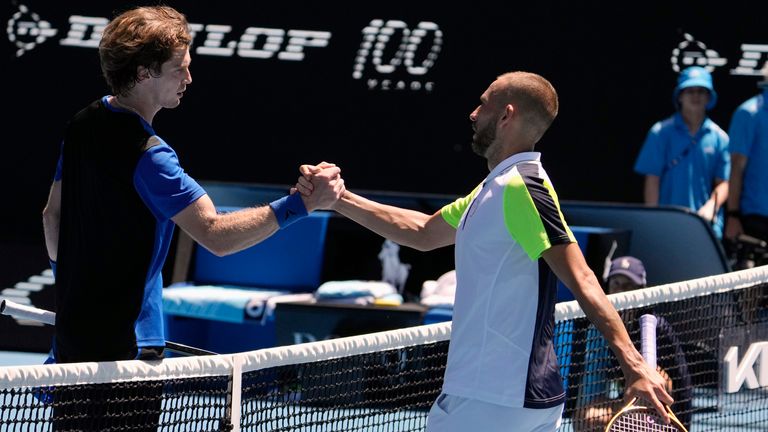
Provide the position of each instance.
(393, 390)
(712, 348)
(381, 391)
(189, 404)
(693, 336)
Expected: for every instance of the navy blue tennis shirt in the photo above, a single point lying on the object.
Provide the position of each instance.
(117, 201)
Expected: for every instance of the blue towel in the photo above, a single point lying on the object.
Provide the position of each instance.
(354, 288)
(218, 303)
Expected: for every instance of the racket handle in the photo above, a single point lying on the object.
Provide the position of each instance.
(186, 349)
(648, 339)
(31, 313)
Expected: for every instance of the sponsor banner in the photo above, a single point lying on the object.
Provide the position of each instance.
(382, 89)
(744, 358)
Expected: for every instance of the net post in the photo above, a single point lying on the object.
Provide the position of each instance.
(234, 395)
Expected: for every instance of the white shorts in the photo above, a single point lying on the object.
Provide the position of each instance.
(452, 413)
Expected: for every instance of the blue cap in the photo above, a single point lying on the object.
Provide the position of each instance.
(695, 76)
(630, 267)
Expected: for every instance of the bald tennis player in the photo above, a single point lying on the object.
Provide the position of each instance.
(511, 241)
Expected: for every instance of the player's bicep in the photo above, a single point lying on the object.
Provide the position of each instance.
(161, 182)
(196, 218)
(568, 264)
(439, 232)
(452, 213)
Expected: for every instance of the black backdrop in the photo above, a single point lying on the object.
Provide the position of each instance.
(256, 119)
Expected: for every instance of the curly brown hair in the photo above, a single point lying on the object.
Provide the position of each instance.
(144, 36)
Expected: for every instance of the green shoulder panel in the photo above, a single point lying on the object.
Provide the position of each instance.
(532, 214)
(522, 218)
(452, 212)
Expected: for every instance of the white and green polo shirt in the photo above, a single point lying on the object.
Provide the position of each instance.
(501, 347)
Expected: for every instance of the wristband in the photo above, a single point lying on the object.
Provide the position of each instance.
(288, 209)
(734, 213)
(53, 266)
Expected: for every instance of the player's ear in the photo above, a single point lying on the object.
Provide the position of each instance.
(142, 73)
(509, 110)
(508, 113)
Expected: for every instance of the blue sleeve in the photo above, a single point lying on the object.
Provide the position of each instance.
(741, 132)
(163, 185)
(60, 163)
(651, 159)
(723, 167)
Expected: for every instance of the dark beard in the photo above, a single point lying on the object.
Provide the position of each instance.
(483, 140)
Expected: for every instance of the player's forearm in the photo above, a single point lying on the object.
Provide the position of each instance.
(603, 315)
(229, 233)
(403, 226)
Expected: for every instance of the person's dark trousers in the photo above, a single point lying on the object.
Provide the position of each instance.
(755, 226)
(127, 406)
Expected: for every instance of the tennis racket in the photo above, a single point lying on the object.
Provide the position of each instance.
(637, 416)
(32, 313)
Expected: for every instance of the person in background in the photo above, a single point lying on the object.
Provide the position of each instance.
(600, 389)
(511, 240)
(685, 157)
(748, 190)
(748, 184)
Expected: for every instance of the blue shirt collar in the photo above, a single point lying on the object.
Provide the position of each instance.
(680, 123)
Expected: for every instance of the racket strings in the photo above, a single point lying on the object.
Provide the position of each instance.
(642, 421)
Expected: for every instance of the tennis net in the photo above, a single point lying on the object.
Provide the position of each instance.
(712, 344)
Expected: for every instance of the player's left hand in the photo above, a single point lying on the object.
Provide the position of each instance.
(647, 384)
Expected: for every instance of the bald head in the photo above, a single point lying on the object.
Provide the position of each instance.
(532, 96)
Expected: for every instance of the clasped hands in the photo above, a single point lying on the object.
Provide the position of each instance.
(320, 185)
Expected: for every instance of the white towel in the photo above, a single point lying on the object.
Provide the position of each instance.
(223, 303)
(439, 293)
